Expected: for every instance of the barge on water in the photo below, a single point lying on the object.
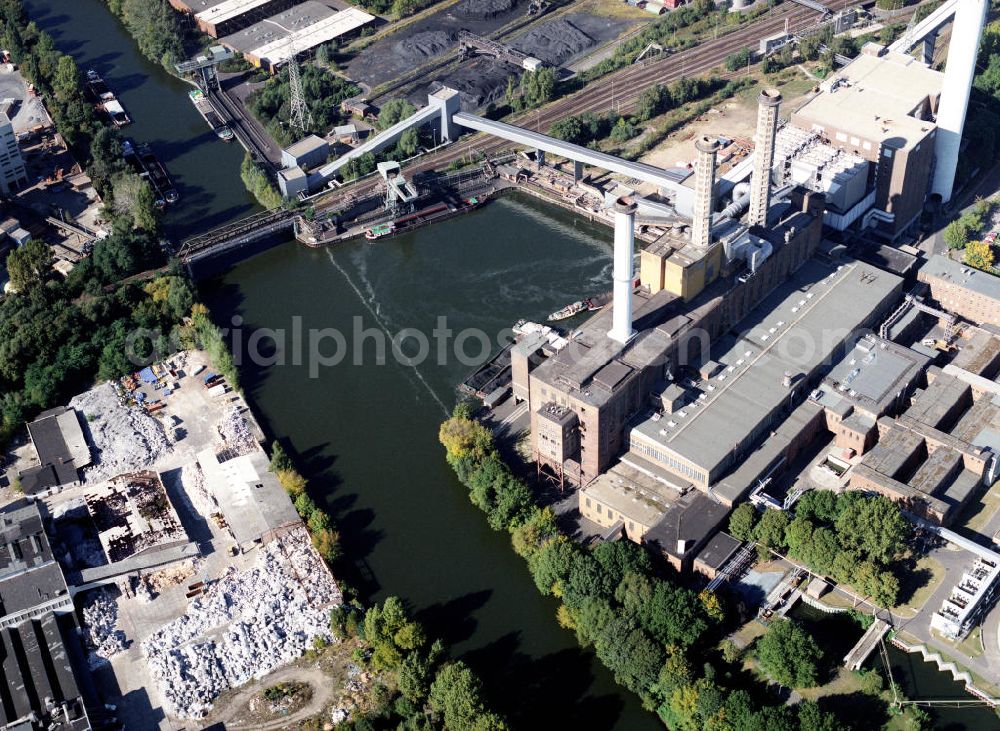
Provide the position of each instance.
(423, 217)
(208, 113)
(104, 99)
(142, 160)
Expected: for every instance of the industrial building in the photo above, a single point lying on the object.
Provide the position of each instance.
(692, 291)
(969, 600)
(254, 503)
(270, 41)
(782, 349)
(963, 290)
(881, 108)
(219, 19)
(40, 653)
(875, 379)
(307, 153)
(934, 456)
(13, 174)
(61, 448)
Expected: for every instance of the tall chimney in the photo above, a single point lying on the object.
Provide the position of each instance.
(624, 272)
(959, 71)
(704, 190)
(763, 156)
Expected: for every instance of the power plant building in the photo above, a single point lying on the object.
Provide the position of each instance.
(935, 456)
(764, 372)
(882, 109)
(968, 292)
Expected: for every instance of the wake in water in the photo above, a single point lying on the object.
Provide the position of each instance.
(371, 306)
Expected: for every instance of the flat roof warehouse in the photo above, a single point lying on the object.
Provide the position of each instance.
(738, 401)
(307, 25)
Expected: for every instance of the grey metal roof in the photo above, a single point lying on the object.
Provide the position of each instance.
(37, 665)
(796, 330)
(955, 273)
(23, 543)
(718, 550)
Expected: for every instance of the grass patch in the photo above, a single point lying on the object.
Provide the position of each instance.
(917, 584)
(844, 682)
(971, 646)
(980, 510)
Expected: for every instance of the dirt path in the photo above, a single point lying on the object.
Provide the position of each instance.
(233, 705)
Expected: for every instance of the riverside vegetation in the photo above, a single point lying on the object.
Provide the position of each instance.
(656, 635)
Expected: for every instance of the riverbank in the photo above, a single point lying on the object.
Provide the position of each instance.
(364, 432)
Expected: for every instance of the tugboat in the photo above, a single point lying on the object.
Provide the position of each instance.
(380, 230)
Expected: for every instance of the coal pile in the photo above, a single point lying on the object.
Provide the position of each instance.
(484, 9)
(417, 48)
(480, 83)
(554, 42)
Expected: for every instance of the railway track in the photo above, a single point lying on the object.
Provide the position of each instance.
(620, 89)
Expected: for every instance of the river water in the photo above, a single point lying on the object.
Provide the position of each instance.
(366, 435)
(205, 170)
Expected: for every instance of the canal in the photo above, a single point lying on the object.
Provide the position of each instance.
(205, 170)
(836, 634)
(367, 434)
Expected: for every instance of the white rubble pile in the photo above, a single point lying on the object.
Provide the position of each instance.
(235, 432)
(100, 622)
(196, 489)
(259, 619)
(127, 438)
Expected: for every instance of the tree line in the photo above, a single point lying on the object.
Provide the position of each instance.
(156, 28)
(655, 635)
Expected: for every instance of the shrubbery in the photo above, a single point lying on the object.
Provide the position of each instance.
(325, 538)
(417, 686)
(323, 92)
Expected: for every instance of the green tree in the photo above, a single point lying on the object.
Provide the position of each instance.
(409, 143)
(623, 131)
(979, 254)
(27, 265)
(457, 696)
(957, 233)
(135, 201)
(393, 111)
(789, 655)
(738, 60)
(551, 564)
(742, 520)
(874, 526)
(770, 531)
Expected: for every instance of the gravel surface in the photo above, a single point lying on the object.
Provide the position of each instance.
(126, 438)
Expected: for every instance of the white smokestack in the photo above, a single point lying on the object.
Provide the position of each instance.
(704, 190)
(763, 156)
(621, 329)
(959, 71)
